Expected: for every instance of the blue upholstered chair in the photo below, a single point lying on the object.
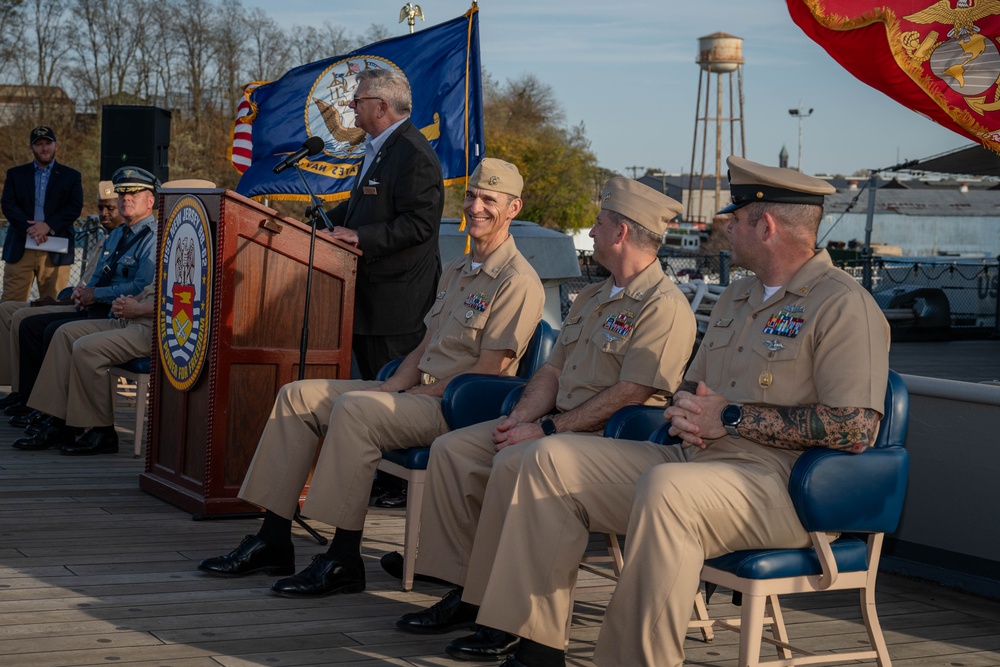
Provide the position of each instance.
(135, 372)
(468, 399)
(833, 492)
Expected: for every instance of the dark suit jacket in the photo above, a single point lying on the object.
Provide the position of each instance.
(63, 203)
(396, 212)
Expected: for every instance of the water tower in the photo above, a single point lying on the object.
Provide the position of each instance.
(720, 55)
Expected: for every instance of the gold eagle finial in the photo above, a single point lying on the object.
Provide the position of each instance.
(410, 13)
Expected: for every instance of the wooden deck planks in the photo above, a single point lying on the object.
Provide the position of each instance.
(95, 572)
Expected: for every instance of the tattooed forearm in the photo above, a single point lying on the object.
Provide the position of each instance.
(805, 426)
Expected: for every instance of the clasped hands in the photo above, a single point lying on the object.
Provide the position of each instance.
(697, 418)
(38, 230)
(511, 432)
(125, 307)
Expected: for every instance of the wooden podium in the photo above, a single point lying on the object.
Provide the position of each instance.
(201, 440)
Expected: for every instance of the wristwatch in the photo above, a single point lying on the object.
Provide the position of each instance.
(548, 426)
(732, 417)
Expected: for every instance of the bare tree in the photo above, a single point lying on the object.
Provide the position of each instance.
(193, 22)
(232, 38)
(106, 43)
(46, 36)
(11, 25)
(269, 47)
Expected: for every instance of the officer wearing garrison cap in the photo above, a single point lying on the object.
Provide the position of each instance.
(795, 357)
(624, 341)
(487, 307)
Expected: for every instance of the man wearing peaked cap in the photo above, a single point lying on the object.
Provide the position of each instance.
(40, 199)
(127, 265)
(130, 180)
(795, 357)
(486, 308)
(624, 341)
(12, 313)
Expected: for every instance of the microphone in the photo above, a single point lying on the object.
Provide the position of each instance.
(311, 146)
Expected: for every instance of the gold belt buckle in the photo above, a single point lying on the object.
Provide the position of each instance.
(427, 378)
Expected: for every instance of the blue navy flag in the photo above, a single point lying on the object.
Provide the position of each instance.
(442, 65)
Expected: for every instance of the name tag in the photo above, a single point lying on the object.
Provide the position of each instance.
(369, 190)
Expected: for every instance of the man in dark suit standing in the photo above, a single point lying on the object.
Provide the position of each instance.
(392, 216)
(41, 199)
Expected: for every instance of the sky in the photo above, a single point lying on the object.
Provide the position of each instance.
(626, 70)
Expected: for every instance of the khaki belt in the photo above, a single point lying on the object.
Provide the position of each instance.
(427, 378)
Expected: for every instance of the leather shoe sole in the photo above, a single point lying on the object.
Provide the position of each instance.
(324, 576)
(485, 644)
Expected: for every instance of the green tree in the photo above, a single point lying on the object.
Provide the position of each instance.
(525, 125)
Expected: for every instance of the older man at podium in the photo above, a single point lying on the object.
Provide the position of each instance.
(393, 217)
(485, 311)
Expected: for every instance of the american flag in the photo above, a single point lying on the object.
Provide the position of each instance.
(242, 148)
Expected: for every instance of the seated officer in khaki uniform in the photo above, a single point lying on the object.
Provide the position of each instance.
(74, 387)
(487, 308)
(625, 341)
(795, 357)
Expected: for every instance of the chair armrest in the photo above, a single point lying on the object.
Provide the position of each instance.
(661, 436)
(389, 369)
(472, 398)
(634, 422)
(836, 491)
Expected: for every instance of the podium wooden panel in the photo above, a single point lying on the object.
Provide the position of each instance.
(201, 441)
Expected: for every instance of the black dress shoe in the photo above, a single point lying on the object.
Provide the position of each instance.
(324, 576)
(253, 555)
(17, 410)
(32, 429)
(392, 563)
(30, 419)
(392, 499)
(50, 436)
(13, 398)
(94, 441)
(448, 614)
(486, 644)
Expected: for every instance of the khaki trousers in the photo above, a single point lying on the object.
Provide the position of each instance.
(675, 512)
(12, 313)
(7, 310)
(34, 264)
(355, 428)
(457, 533)
(73, 383)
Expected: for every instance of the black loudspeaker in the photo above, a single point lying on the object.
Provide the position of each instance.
(137, 137)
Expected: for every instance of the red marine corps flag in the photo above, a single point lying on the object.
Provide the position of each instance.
(938, 58)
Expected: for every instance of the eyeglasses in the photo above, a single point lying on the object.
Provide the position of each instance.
(355, 100)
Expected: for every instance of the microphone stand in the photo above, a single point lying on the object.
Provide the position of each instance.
(317, 211)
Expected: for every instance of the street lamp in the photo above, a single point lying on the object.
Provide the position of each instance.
(800, 113)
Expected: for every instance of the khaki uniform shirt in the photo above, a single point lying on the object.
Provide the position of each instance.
(493, 307)
(644, 334)
(821, 339)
